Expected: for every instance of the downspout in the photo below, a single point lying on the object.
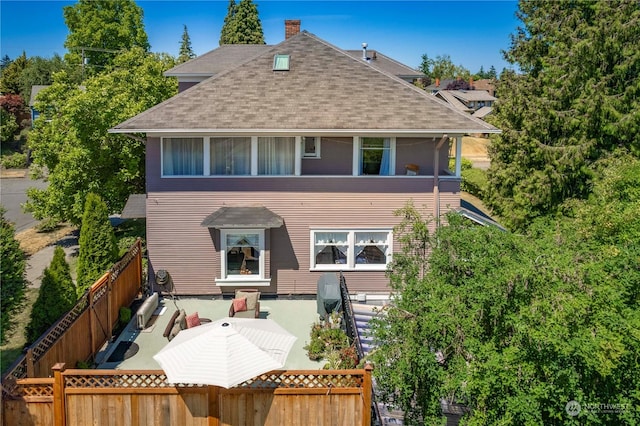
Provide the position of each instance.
(436, 179)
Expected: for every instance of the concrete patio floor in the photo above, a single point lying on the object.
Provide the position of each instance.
(294, 315)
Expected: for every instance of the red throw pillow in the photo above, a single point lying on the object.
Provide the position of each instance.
(193, 320)
(240, 305)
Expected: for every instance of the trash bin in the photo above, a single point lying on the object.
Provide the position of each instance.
(328, 295)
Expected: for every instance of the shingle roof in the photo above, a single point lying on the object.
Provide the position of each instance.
(325, 89)
(218, 60)
(452, 100)
(387, 64)
(472, 95)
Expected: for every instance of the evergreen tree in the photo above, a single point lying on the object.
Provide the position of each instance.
(10, 80)
(12, 275)
(227, 26)
(242, 24)
(575, 100)
(491, 73)
(57, 296)
(98, 247)
(186, 52)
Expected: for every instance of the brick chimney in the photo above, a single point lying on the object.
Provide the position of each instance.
(291, 27)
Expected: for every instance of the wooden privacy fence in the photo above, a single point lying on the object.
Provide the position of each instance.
(120, 397)
(82, 332)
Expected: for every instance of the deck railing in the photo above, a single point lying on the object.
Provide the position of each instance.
(291, 397)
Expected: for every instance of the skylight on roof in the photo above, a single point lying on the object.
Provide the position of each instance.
(281, 63)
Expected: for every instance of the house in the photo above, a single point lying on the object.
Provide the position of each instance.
(281, 163)
(477, 102)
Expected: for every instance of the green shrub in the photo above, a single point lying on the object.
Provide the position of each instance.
(56, 297)
(98, 249)
(125, 315)
(331, 343)
(47, 225)
(12, 275)
(466, 164)
(17, 160)
(474, 181)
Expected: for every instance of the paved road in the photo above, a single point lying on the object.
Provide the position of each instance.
(12, 195)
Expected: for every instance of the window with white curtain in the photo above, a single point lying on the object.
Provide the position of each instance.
(350, 249)
(276, 155)
(242, 254)
(182, 157)
(230, 156)
(375, 156)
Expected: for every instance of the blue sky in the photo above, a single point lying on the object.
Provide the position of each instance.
(473, 33)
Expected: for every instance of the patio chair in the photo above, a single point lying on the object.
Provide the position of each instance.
(246, 304)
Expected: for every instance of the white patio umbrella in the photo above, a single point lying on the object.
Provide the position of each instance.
(226, 352)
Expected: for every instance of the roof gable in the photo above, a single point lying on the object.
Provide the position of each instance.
(325, 89)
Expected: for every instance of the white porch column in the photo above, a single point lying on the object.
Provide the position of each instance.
(254, 155)
(298, 156)
(356, 156)
(458, 156)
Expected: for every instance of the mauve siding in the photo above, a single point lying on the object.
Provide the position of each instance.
(335, 158)
(177, 242)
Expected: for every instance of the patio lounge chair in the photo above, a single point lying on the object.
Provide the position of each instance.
(246, 304)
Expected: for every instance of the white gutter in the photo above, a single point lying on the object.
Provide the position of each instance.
(307, 132)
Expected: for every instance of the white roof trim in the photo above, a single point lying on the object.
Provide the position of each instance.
(307, 132)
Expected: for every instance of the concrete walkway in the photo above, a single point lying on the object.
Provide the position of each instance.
(42, 259)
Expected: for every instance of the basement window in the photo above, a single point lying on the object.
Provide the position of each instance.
(281, 63)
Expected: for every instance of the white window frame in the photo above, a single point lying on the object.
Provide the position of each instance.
(357, 156)
(351, 264)
(253, 279)
(317, 143)
(205, 152)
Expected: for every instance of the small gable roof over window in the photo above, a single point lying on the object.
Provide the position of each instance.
(242, 217)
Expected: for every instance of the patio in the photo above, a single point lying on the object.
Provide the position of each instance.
(294, 315)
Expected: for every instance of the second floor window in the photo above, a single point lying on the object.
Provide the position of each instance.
(182, 157)
(230, 156)
(276, 156)
(375, 156)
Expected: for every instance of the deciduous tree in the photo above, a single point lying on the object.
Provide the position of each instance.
(575, 99)
(103, 26)
(98, 247)
(517, 325)
(71, 137)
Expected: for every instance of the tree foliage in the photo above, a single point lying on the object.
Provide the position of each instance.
(10, 79)
(12, 275)
(56, 297)
(442, 67)
(186, 52)
(103, 24)
(242, 24)
(577, 98)
(39, 71)
(98, 247)
(516, 326)
(72, 142)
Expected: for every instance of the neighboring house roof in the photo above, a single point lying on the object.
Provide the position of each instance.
(472, 95)
(218, 60)
(482, 112)
(439, 85)
(34, 92)
(325, 90)
(387, 64)
(452, 100)
(487, 84)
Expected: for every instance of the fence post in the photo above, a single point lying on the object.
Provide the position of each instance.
(29, 359)
(214, 406)
(367, 389)
(59, 411)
